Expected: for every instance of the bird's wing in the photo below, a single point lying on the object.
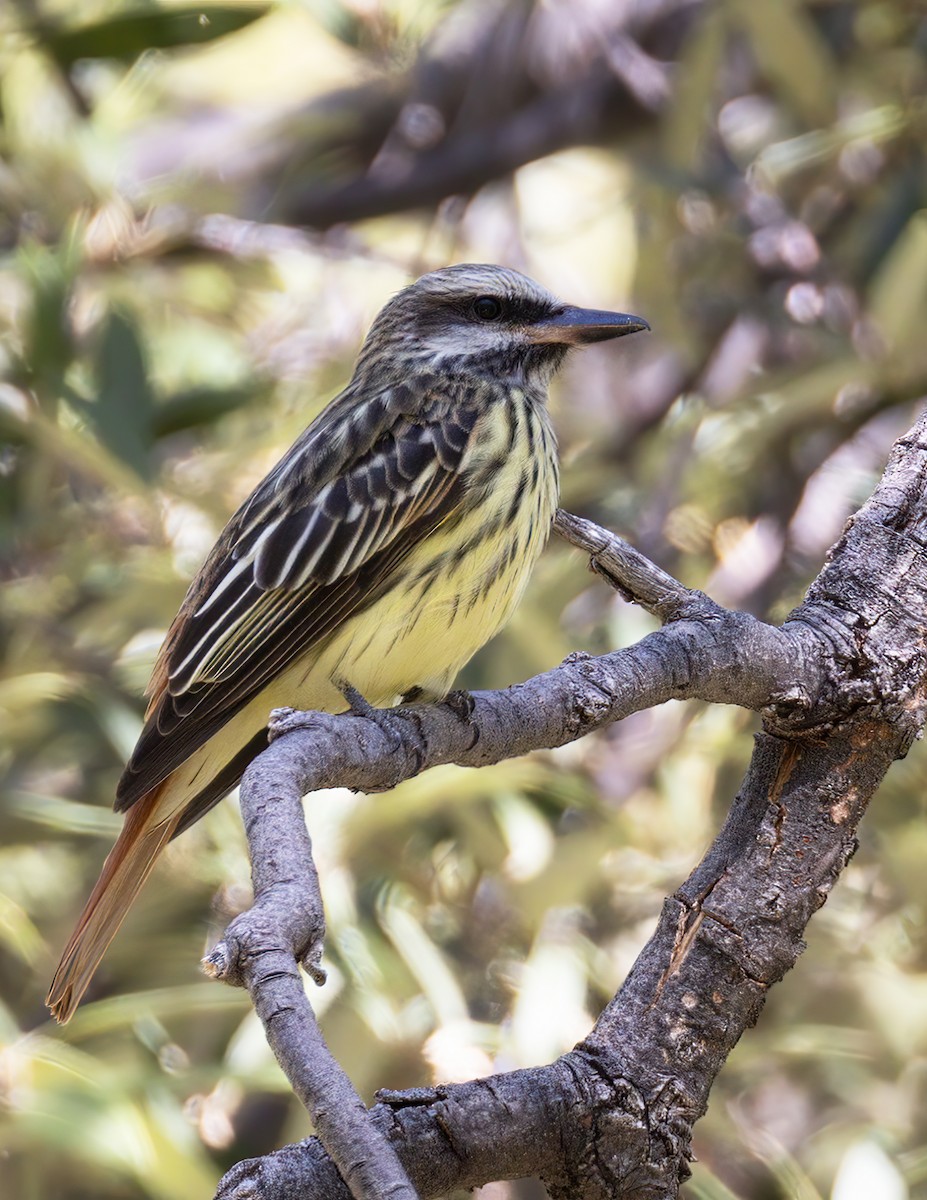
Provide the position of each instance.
(318, 541)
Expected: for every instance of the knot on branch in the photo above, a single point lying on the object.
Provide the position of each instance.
(863, 674)
(272, 1177)
(593, 700)
(791, 712)
(620, 1142)
(258, 936)
(866, 609)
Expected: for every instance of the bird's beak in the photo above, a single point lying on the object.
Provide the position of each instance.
(581, 326)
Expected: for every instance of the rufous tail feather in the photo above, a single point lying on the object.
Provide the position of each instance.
(127, 866)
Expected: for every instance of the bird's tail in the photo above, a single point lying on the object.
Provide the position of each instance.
(145, 834)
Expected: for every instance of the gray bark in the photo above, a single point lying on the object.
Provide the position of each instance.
(841, 688)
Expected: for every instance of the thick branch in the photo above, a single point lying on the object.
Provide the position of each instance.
(285, 925)
(707, 652)
(724, 657)
(842, 685)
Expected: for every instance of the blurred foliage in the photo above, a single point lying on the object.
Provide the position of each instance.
(162, 344)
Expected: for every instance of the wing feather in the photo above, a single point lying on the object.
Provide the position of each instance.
(319, 540)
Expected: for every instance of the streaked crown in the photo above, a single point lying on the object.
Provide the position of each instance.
(482, 319)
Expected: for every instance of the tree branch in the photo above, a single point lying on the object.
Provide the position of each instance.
(485, 97)
(842, 689)
(633, 575)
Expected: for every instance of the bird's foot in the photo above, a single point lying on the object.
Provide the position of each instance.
(392, 722)
(461, 704)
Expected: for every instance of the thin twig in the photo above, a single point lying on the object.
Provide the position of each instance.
(631, 573)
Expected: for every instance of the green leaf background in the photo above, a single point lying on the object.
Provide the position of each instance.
(162, 345)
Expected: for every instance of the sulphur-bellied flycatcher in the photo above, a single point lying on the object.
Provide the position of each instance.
(392, 540)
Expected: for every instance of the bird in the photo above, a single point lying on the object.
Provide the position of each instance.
(391, 542)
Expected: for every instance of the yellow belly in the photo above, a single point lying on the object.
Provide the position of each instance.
(421, 636)
(401, 642)
(443, 608)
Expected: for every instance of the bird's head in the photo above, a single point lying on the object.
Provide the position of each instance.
(486, 320)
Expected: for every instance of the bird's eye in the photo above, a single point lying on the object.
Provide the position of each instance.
(487, 308)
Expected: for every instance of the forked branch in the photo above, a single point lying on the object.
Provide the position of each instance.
(841, 687)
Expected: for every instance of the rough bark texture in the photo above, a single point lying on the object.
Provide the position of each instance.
(841, 686)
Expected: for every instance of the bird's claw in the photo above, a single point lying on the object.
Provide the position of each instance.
(461, 703)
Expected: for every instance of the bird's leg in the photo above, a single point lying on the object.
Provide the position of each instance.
(358, 703)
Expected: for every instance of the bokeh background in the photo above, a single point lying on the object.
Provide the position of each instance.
(201, 208)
